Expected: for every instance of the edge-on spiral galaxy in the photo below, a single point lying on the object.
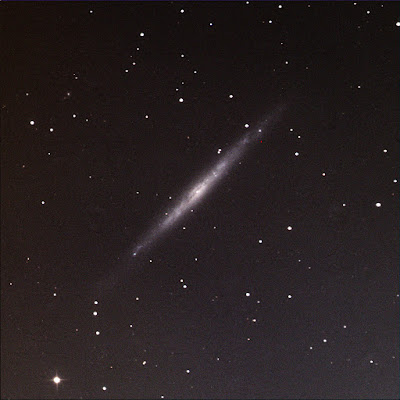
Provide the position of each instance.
(190, 197)
(202, 186)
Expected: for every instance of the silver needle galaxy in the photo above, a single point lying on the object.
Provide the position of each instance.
(200, 188)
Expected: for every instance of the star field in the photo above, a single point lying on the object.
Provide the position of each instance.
(281, 281)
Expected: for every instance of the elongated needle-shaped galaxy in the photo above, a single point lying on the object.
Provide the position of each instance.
(202, 186)
(191, 196)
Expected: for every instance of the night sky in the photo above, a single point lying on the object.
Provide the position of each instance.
(280, 280)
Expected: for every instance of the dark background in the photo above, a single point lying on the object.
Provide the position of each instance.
(106, 175)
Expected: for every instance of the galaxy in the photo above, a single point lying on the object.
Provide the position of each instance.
(200, 188)
(200, 200)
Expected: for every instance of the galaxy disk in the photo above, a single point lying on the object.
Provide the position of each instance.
(207, 181)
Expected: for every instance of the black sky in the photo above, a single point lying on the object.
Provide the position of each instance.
(282, 282)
